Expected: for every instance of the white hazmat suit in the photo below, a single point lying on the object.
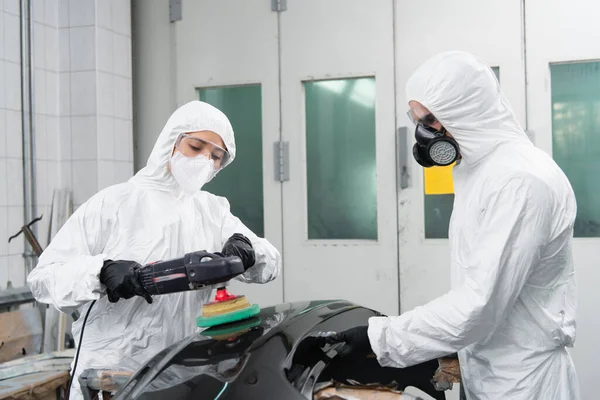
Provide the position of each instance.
(149, 218)
(511, 311)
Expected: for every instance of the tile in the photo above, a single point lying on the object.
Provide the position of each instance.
(64, 134)
(3, 194)
(39, 46)
(41, 183)
(104, 14)
(82, 51)
(64, 50)
(3, 134)
(123, 140)
(52, 93)
(85, 180)
(12, 43)
(63, 13)
(122, 97)
(12, 6)
(14, 182)
(122, 55)
(53, 183)
(121, 17)
(53, 138)
(53, 179)
(1, 34)
(3, 271)
(14, 223)
(84, 139)
(82, 13)
(123, 171)
(39, 11)
(41, 144)
(51, 17)
(106, 141)
(12, 74)
(2, 83)
(83, 93)
(16, 269)
(105, 50)
(39, 86)
(106, 174)
(66, 174)
(14, 138)
(106, 90)
(51, 48)
(128, 111)
(64, 94)
(4, 235)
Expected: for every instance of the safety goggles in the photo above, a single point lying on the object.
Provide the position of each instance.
(191, 146)
(427, 120)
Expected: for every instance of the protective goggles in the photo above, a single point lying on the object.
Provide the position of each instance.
(191, 146)
(427, 120)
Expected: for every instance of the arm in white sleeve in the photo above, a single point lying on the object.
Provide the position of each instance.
(510, 235)
(268, 258)
(67, 274)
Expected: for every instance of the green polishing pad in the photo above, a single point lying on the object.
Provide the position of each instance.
(206, 322)
(231, 329)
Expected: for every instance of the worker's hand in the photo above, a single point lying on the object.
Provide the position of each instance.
(240, 246)
(356, 339)
(121, 280)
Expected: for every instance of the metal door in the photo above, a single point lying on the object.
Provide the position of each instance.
(337, 108)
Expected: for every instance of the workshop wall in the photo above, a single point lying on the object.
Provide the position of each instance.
(82, 105)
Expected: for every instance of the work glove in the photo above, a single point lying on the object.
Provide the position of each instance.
(121, 280)
(356, 340)
(240, 246)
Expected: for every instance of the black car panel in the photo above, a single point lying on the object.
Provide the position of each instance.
(270, 356)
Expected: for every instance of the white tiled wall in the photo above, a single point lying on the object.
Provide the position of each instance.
(83, 110)
(11, 164)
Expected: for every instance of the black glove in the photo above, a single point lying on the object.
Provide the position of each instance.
(357, 342)
(240, 246)
(121, 280)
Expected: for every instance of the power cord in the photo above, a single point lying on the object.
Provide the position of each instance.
(78, 349)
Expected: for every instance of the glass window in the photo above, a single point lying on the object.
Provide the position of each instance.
(340, 152)
(242, 181)
(496, 72)
(438, 207)
(576, 137)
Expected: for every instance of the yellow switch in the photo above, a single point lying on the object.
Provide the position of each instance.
(438, 180)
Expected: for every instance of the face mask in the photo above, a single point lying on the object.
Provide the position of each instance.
(191, 173)
(434, 147)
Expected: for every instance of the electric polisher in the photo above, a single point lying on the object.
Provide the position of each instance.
(200, 270)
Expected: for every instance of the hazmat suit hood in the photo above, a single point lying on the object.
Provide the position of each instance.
(464, 95)
(191, 117)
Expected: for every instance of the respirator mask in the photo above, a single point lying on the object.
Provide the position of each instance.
(433, 147)
(192, 173)
(196, 162)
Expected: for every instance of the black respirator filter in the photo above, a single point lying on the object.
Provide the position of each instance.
(434, 147)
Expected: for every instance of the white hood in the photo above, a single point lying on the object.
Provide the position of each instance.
(191, 117)
(463, 93)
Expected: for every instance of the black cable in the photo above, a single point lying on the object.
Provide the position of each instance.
(78, 349)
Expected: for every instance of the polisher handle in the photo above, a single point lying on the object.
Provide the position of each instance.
(195, 270)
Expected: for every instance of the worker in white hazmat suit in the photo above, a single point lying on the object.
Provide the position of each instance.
(159, 214)
(510, 314)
